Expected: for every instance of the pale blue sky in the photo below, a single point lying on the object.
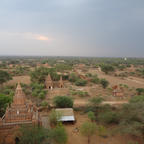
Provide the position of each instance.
(72, 27)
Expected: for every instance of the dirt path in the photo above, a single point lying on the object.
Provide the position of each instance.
(130, 81)
(80, 102)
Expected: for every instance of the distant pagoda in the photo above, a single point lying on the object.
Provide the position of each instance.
(49, 82)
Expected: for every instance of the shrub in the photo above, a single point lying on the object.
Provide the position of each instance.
(91, 116)
(80, 93)
(140, 91)
(63, 102)
(104, 83)
(44, 104)
(136, 99)
(95, 79)
(80, 82)
(109, 117)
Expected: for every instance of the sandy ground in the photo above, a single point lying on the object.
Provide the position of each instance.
(21, 79)
(130, 81)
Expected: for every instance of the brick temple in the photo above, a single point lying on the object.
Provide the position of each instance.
(50, 84)
(20, 112)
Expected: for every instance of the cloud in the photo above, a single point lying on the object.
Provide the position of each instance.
(27, 35)
(39, 37)
(42, 38)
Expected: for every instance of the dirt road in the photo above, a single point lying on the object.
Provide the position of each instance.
(79, 102)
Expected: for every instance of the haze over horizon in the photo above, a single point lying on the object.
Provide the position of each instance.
(104, 28)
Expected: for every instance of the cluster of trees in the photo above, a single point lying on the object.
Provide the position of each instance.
(4, 77)
(6, 93)
(18, 71)
(33, 134)
(4, 102)
(78, 81)
(38, 90)
(129, 119)
(39, 74)
(63, 67)
(96, 80)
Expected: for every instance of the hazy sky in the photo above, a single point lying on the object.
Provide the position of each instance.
(72, 27)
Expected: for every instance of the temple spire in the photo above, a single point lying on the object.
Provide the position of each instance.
(49, 82)
(19, 97)
(61, 82)
(49, 78)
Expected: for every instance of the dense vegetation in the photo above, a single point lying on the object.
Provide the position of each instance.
(63, 102)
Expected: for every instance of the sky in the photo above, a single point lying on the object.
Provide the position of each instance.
(97, 28)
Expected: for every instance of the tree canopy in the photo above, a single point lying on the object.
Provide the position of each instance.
(39, 74)
(33, 135)
(4, 101)
(4, 77)
(63, 102)
(88, 129)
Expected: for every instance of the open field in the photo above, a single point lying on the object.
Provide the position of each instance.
(21, 79)
(130, 81)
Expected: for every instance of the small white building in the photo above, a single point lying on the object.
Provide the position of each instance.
(67, 114)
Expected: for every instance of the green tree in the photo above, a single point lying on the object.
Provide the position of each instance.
(109, 117)
(96, 101)
(59, 135)
(54, 117)
(33, 135)
(88, 129)
(137, 99)
(39, 74)
(91, 116)
(107, 68)
(63, 102)
(4, 101)
(4, 77)
(140, 91)
(132, 118)
(104, 83)
(38, 91)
